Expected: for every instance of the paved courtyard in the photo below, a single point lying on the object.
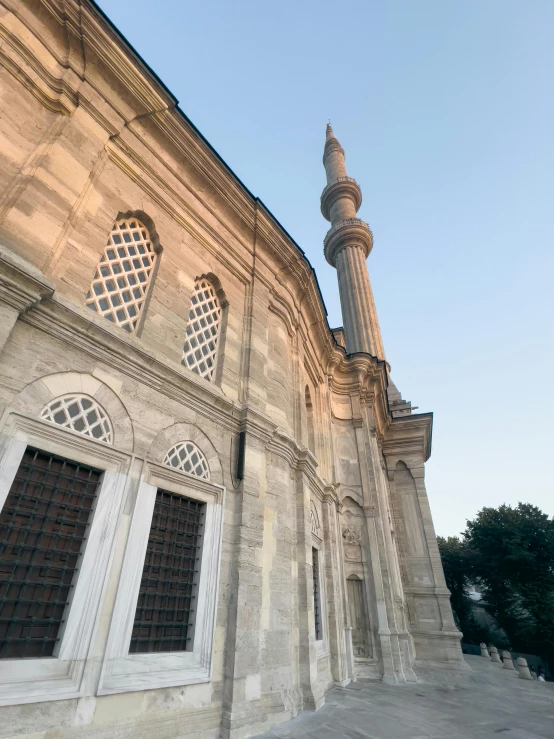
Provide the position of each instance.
(486, 702)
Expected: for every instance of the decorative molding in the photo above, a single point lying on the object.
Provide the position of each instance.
(350, 535)
(21, 285)
(123, 672)
(61, 677)
(341, 187)
(350, 232)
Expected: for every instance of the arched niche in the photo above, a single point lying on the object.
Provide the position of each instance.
(181, 432)
(42, 391)
(348, 465)
(410, 525)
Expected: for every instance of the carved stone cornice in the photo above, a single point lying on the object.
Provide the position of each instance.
(21, 285)
(342, 187)
(351, 232)
(87, 63)
(306, 463)
(97, 338)
(408, 435)
(258, 424)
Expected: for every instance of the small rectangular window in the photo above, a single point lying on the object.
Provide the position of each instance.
(166, 608)
(317, 603)
(43, 527)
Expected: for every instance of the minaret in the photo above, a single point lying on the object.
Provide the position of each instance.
(347, 246)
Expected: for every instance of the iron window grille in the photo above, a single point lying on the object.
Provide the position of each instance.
(79, 413)
(187, 457)
(202, 332)
(43, 527)
(120, 283)
(166, 608)
(317, 604)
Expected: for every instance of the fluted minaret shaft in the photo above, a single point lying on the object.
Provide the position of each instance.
(347, 246)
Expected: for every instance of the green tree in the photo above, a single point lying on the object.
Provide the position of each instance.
(457, 569)
(510, 553)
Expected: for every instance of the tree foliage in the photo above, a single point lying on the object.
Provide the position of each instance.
(509, 553)
(456, 568)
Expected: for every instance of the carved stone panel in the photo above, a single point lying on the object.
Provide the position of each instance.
(348, 467)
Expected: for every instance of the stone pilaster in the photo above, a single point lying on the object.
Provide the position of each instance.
(431, 623)
(334, 601)
(242, 707)
(307, 657)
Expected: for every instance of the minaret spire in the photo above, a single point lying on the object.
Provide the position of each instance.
(347, 246)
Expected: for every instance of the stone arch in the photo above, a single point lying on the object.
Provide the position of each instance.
(356, 495)
(314, 520)
(352, 509)
(179, 432)
(37, 394)
(147, 221)
(203, 345)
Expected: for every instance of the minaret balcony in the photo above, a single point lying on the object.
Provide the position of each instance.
(342, 187)
(349, 232)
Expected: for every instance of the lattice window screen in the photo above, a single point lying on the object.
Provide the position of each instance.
(79, 413)
(317, 601)
(187, 457)
(119, 286)
(200, 348)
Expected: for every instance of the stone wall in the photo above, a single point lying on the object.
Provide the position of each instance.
(88, 135)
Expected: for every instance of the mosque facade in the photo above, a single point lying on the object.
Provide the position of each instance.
(213, 506)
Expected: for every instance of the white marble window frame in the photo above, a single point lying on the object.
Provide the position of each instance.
(61, 677)
(123, 672)
(321, 645)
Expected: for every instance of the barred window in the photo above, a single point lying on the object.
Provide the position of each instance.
(79, 413)
(317, 596)
(166, 608)
(187, 457)
(202, 332)
(43, 527)
(120, 283)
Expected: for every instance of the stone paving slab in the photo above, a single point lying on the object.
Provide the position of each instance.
(488, 702)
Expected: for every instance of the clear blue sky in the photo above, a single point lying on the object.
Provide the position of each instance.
(445, 110)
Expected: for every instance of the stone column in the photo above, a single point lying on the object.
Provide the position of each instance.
(361, 326)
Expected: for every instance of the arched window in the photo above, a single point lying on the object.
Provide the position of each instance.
(310, 420)
(79, 413)
(120, 283)
(187, 457)
(203, 329)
